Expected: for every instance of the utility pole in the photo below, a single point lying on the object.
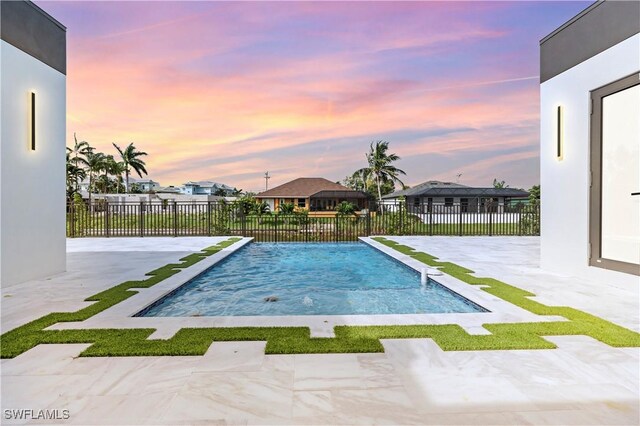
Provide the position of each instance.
(266, 181)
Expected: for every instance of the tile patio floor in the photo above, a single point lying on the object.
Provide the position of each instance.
(413, 382)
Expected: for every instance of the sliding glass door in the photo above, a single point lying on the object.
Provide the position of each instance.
(615, 167)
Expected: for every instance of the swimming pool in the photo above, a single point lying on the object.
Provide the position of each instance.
(265, 279)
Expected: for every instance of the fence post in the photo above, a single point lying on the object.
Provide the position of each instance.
(307, 219)
(490, 222)
(335, 228)
(175, 218)
(460, 221)
(141, 215)
(368, 223)
(519, 219)
(431, 221)
(209, 218)
(107, 222)
(71, 219)
(401, 227)
(243, 219)
(275, 229)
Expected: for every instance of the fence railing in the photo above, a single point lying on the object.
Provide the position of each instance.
(177, 219)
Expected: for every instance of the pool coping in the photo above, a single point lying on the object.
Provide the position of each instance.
(121, 315)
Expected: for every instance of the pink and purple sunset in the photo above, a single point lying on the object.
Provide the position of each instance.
(227, 91)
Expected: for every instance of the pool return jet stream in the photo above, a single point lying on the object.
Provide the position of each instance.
(424, 275)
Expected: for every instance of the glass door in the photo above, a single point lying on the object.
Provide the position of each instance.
(615, 162)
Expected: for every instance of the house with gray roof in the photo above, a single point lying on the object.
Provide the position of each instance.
(445, 197)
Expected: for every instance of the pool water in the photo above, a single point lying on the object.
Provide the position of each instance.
(308, 279)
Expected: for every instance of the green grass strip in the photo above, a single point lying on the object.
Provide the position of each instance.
(23, 338)
(578, 322)
(297, 340)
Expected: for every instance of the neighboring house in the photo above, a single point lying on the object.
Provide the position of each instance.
(590, 145)
(146, 185)
(206, 188)
(32, 145)
(442, 197)
(83, 186)
(168, 190)
(313, 194)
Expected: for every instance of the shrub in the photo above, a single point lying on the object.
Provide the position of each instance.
(345, 208)
(286, 208)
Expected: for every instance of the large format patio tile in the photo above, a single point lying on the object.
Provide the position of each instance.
(332, 371)
(114, 409)
(233, 356)
(236, 396)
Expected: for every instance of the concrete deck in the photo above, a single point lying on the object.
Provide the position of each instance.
(413, 382)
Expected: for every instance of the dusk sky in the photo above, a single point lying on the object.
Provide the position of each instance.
(227, 91)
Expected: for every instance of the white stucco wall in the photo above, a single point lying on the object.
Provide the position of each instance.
(32, 183)
(565, 183)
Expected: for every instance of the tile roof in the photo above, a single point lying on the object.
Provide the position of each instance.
(303, 187)
(443, 189)
(424, 186)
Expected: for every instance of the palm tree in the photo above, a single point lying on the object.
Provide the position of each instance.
(117, 170)
(74, 175)
(499, 184)
(78, 154)
(130, 157)
(380, 167)
(95, 165)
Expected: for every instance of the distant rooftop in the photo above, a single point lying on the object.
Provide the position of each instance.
(424, 186)
(303, 188)
(207, 183)
(435, 188)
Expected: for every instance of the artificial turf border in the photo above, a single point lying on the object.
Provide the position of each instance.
(297, 340)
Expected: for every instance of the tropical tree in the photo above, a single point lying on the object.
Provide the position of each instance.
(260, 208)
(286, 208)
(499, 184)
(108, 164)
(135, 188)
(104, 184)
(78, 154)
(359, 180)
(95, 165)
(380, 166)
(534, 195)
(74, 175)
(117, 170)
(132, 161)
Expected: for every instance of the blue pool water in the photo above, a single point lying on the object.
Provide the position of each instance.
(308, 279)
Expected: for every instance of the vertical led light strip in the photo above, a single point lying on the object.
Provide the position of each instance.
(33, 121)
(560, 131)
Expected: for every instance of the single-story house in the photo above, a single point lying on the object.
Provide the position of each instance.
(312, 194)
(441, 197)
